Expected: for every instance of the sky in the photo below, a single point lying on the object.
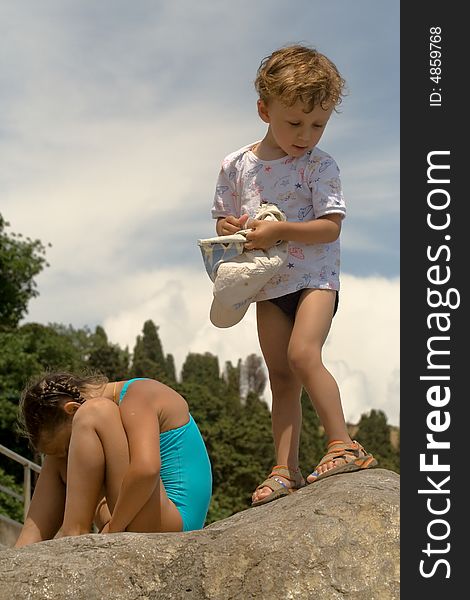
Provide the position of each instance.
(115, 117)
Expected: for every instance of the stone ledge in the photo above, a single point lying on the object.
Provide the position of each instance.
(9, 531)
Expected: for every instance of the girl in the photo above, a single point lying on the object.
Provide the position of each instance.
(125, 454)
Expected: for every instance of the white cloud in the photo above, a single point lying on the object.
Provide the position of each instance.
(110, 125)
(113, 177)
(365, 337)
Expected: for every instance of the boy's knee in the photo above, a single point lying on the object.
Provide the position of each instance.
(281, 377)
(301, 360)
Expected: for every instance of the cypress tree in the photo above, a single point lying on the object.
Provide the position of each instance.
(374, 434)
(312, 437)
(203, 369)
(148, 358)
(108, 358)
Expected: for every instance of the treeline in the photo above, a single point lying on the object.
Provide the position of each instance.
(225, 400)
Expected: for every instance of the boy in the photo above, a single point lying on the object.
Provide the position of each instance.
(298, 90)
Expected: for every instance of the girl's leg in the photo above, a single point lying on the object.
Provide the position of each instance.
(99, 457)
(274, 331)
(312, 324)
(102, 514)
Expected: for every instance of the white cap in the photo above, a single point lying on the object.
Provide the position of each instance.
(239, 274)
(239, 280)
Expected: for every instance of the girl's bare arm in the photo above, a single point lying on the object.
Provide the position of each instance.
(46, 511)
(140, 420)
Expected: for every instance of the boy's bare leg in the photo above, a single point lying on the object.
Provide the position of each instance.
(274, 331)
(312, 324)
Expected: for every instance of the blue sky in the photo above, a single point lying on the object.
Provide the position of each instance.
(115, 118)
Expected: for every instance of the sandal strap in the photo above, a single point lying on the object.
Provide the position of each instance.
(347, 451)
(274, 482)
(292, 475)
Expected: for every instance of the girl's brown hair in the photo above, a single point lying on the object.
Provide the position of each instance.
(42, 397)
(300, 73)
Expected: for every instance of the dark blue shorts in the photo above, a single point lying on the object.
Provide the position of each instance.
(288, 303)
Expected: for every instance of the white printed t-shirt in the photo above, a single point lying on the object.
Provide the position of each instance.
(305, 189)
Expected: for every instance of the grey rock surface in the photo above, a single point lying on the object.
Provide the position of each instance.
(336, 539)
(9, 531)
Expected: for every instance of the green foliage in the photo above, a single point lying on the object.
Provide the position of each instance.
(108, 358)
(148, 359)
(21, 259)
(170, 369)
(203, 369)
(374, 434)
(254, 374)
(10, 506)
(239, 443)
(312, 439)
(232, 377)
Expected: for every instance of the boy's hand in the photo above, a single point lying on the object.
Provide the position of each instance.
(230, 225)
(263, 234)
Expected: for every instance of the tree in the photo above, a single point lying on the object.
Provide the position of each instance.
(108, 358)
(204, 370)
(312, 437)
(10, 506)
(55, 348)
(253, 375)
(20, 261)
(232, 377)
(170, 368)
(148, 359)
(27, 352)
(374, 434)
(238, 440)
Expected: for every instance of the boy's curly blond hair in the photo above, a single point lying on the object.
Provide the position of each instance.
(300, 73)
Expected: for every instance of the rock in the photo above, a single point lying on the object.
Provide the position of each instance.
(336, 539)
(9, 531)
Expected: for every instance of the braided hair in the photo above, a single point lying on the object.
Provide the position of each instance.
(42, 398)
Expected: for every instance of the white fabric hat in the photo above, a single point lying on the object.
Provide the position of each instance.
(239, 280)
(219, 249)
(238, 274)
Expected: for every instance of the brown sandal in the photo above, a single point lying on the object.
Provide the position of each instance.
(354, 455)
(278, 487)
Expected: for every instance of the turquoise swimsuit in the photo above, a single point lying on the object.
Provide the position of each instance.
(185, 470)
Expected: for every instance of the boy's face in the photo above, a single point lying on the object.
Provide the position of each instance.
(292, 130)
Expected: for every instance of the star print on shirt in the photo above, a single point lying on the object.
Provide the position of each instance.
(298, 185)
(267, 169)
(291, 265)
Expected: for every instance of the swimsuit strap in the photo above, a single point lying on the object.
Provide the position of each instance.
(126, 385)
